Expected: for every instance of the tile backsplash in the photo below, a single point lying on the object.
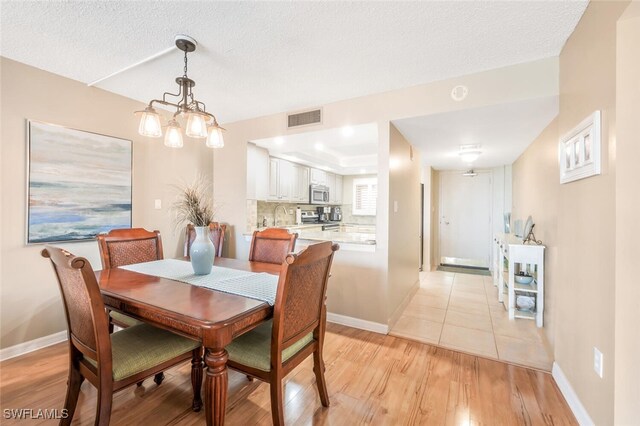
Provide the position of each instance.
(257, 210)
(266, 210)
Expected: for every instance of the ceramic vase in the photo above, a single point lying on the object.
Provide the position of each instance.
(202, 252)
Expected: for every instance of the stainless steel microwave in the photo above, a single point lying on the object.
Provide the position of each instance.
(318, 194)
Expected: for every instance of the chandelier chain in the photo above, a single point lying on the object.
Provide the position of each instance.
(185, 64)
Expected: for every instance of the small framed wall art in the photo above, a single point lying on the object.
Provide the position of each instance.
(79, 183)
(579, 150)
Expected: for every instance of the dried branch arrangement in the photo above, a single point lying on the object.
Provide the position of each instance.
(194, 204)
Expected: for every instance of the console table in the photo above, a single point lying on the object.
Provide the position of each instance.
(511, 256)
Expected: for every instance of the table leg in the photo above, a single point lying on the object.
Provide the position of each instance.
(215, 386)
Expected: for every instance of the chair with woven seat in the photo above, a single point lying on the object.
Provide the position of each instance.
(216, 235)
(272, 245)
(271, 350)
(111, 362)
(120, 247)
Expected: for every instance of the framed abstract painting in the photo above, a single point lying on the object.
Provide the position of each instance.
(78, 183)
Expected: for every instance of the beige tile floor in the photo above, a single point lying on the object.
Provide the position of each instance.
(462, 312)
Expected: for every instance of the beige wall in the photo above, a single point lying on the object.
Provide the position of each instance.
(586, 218)
(359, 284)
(577, 220)
(627, 316)
(31, 305)
(404, 225)
(536, 193)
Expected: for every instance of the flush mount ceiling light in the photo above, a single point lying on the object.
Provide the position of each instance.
(199, 123)
(469, 153)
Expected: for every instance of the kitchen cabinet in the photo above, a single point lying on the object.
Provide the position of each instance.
(318, 177)
(274, 178)
(257, 173)
(331, 183)
(335, 188)
(300, 190)
(337, 198)
(280, 179)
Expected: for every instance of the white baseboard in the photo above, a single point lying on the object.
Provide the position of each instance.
(32, 345)
(570, 395)
(376, 327)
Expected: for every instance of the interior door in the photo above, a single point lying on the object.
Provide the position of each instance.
(465, 219)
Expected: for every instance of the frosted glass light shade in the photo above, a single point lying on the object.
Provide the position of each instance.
(196, 125)
(469, 156)
(173, 137)
(215, 138)
(150, 123)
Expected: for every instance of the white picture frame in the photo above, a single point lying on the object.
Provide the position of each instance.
(579, 150)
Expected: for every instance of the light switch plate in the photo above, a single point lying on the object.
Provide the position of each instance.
(395, 207)
(598, 362)
(157, 204)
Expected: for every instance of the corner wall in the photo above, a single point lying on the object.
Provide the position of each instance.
(536, 176)
(404, 222)
(31, 304)
(627, 301)
(578, 220)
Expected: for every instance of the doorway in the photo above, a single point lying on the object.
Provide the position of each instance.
(465, 219)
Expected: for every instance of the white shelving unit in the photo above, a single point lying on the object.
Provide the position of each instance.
(510, 257)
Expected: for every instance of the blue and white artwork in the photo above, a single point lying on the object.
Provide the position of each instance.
(79, 184)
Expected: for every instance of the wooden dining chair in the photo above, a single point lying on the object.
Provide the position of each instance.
(216, 235)
(271, 350)
(120, 247)
(111, 362)
(272, 245)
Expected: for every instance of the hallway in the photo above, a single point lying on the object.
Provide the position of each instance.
(461, 312)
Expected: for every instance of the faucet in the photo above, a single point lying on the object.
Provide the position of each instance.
(275, 213)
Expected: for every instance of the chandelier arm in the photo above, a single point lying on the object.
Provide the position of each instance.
(162, 102)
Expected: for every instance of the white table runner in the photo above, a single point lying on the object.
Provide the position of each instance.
(260, 286)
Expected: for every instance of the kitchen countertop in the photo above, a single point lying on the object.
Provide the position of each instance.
(361, 234)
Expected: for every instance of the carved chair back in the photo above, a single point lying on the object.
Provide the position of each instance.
(272, 245)
(84, 309)
(302, 287)
(121, 247)
(216, 234)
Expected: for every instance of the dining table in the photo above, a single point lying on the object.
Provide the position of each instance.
(211, 316)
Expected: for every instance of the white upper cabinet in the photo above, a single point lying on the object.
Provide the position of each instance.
(257, 173)
(318, 177)
(281, 180)
(274, 178)
(285, 180)
(300, 190)
(338, 190)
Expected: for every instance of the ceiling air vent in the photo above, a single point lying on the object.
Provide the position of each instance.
(304, 118)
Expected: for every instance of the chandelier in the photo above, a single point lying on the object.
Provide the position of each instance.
(199, 123)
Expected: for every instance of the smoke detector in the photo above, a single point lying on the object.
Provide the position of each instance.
(460, 92)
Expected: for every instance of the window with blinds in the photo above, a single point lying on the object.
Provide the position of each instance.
(365, 195)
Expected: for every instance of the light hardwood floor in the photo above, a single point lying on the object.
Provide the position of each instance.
(372, 379)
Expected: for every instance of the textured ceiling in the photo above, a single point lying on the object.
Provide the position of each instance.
(503, 132)
(258, 58)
